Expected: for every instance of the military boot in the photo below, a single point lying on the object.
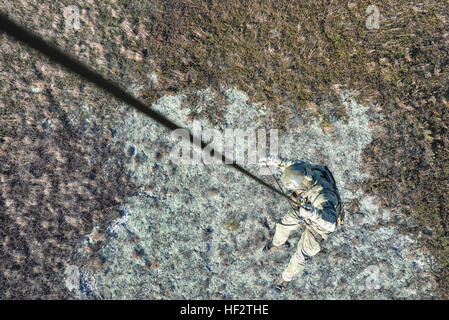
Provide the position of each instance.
(279, 286)
(270, 248)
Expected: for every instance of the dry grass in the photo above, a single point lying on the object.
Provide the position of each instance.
(58, 180)
(54, 189)
(301, 54)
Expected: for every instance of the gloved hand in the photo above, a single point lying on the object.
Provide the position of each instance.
(309, 212)
(269, 160)
(296, 197)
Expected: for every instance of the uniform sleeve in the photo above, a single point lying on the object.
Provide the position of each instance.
(326, 218)
(311, 213)
(328, 213)
(285, 163)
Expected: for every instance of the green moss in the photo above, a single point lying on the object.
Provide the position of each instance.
(232, 225)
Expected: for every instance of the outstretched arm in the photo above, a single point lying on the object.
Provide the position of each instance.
(278, 162)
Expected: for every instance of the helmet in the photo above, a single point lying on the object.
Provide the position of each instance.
(296, 177)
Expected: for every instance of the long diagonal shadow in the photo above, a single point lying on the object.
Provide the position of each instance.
(30, 39)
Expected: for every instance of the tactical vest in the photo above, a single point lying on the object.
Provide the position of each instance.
(319, 193)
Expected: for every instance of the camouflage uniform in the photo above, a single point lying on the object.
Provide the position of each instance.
(318, 209)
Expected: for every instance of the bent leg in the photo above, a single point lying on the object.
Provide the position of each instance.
(288, 224)
(308, 247)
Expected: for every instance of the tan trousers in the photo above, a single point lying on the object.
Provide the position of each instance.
(307, 247)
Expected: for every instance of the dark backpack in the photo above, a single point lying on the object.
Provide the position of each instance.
(339, 208)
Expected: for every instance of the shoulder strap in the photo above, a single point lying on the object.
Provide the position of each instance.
(340, 209)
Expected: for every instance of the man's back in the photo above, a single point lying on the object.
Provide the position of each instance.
(322, 195)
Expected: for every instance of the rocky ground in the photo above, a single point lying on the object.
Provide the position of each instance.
(92, 207)
(196, 231)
